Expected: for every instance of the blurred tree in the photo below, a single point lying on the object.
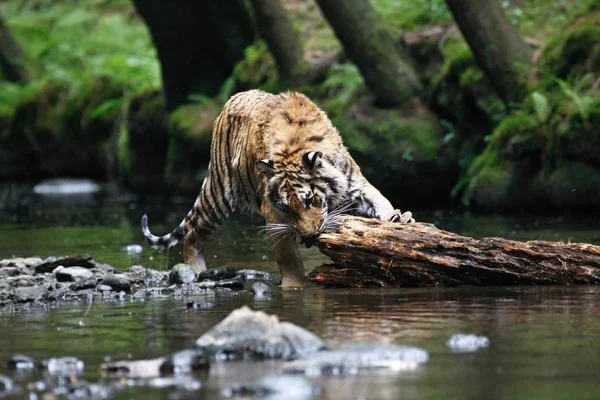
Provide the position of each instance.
(497, 46)
(371, 47)
(10, 54)
(198, 43)
(283, 41)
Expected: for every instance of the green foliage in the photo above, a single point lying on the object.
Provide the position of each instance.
(340, 88)
(541, 106)
(72, 45)
(411, 15)
(257, 69)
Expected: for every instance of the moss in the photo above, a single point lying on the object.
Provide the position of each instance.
(575, 51)
(257, 69)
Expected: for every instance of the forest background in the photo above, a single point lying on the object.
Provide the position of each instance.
(491, 104)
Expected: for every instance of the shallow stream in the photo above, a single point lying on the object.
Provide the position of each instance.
(544, 342)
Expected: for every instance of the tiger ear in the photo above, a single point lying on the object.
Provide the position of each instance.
(312, 159)
(266, 167)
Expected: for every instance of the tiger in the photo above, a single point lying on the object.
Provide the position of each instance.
(280, 156)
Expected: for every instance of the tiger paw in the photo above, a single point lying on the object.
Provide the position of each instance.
(402, 218)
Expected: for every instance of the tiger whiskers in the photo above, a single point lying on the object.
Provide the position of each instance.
(332, 220)
(275, 231)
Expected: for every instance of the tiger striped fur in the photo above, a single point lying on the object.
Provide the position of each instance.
(280, 156)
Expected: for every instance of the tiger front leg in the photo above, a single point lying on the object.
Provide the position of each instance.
(371, 203)
(193, 247)
(289, 261)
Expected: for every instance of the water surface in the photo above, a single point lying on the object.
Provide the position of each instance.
(544, 341)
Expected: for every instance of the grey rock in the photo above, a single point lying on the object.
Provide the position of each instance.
(107, 269)
(350, 359)
(103, 288)
(276, 387)
(6, 384)
(50, 263)
(29, 293)
(29, 262)
(261, 290)
(182, 273)
(464, 343)
(21, 362)
(118, 282)
(134, 369)
(253, 334)
(59, 293)
(217, 274)
(252, 274)
(72, 274)
(184, 362)
(206, 284)
(6, 291)
(198, 305)
(24, 280)
(9, 271)
(64, 366)
(147, 276)
(84, 284)
(154, 292)
(233, 283)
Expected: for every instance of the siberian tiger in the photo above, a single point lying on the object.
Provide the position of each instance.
(280, 156)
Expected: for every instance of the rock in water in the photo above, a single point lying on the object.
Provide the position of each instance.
(351, 358)
(21, 362)
(184, 362)
(72, 274)
(272, 387)
(256, 335)
(261, 290)
(64, 366)
(118, 282)
(6, 384)
(29, 293)
(463, 343)
(217, 274)
(182, 273)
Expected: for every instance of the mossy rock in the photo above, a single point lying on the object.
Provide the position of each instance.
(581, 141)
(143, 141)
(403, 156)
(190, 134)
(574, 185)
(576, 51)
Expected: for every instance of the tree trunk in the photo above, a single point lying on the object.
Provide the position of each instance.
(283, 41)
(498, 47)
(198, 43)
(371, 47)
(370, 252)
(10, 54)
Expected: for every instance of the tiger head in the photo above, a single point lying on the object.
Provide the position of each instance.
(297, 193)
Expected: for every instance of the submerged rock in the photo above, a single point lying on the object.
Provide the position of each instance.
(134, 369)
(184, 362)
(276, 387)
(463, 343)
(261, 290)
(6, 384)
(351, 358)
(63, 366)
(182, 273)
(252, 274)
(256, 335)
(21, 362)
(217, 274)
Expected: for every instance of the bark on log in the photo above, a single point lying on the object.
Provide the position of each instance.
(374, 253)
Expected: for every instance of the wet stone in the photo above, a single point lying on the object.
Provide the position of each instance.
(6, 384)
(107, 269)
(21, 362)
(29, 293)
(465, 343)
(72, 274)
(29, 262)
(253, 334)
(261, 290)
(51, 263)
(284, 387)
(64, 366)
(217, 274)
(184, 362)
(118, 282)
(24, 281)
(59, 293)
(103, 288)
(350, 359)
(233, 283)
(9, 271)
(154, 292)
(206, 284)
(6, 291)
(84, 284)
(182, 273)
(199, 305)
(252, 274)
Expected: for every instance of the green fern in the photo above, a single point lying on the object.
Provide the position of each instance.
(541, 107)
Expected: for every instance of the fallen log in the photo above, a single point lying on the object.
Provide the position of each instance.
(374, 253)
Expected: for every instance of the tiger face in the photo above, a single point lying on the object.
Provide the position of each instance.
(295, 194)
